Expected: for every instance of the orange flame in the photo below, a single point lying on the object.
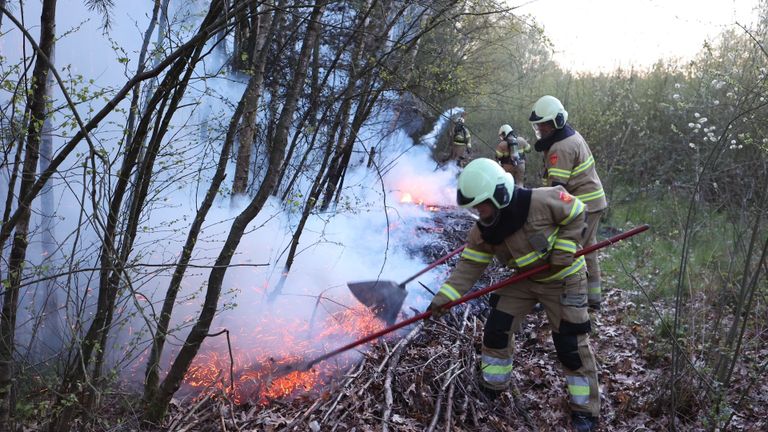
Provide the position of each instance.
(253, 376)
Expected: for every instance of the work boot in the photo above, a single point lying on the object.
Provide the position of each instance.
(583, 422)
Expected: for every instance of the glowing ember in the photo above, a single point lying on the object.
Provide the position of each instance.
(254, 380)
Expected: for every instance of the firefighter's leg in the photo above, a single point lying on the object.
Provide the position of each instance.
(594, 288)
(508, 309)
(567, 312)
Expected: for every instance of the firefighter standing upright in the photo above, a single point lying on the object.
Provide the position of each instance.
(510, 152)
(462, 141)
(569, 162)
(526, 228)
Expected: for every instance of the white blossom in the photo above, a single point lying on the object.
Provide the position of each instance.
(691, 125)
(692, 145)
(676, 96)
(733, 141)
(703, 120)
(698, 126)
(716, 102)
(697, 115)
(677, 85)
(740, 146)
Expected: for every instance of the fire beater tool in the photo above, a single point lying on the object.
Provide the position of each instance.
(385, 298)
(307, 364)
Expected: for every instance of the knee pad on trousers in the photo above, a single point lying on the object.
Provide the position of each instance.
(567, 347)
(569, 328)
(496, 332)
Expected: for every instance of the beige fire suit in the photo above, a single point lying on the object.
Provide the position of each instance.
(551, 233)
(462, 141)
(569, 162)
(512, 158)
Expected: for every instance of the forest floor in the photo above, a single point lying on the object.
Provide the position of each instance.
(425, 379)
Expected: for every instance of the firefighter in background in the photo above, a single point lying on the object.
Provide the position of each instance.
(568, 162)
(462, 141)
(510, 152)
(526, 228)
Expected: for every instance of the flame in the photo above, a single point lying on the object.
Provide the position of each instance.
(254, 380)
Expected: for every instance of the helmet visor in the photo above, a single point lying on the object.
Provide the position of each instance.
(536, 130)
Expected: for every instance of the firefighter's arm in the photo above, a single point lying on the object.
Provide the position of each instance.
(473, 261)
(568, 214)
(559, 165)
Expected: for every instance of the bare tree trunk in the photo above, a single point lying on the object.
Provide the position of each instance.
(158, 406)
(261, 45)
(18, 252)
(51, 335)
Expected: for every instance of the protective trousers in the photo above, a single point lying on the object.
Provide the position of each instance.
(565, 303)
(594, 288)
(458, 153)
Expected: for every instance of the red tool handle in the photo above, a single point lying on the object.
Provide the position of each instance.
(470, 296)
(434, 264)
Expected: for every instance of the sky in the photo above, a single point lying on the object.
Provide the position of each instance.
(601, 35)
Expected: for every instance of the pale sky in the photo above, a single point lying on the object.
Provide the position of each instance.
(600, 35)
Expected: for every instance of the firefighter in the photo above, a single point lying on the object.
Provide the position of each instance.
(510, 152)
(526, 228)
(568, 162)
(462, 141)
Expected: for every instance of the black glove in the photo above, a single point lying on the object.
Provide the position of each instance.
(436, 307)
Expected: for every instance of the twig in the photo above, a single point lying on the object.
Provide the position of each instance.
(437, 411)
(449, 407)
(397, 352)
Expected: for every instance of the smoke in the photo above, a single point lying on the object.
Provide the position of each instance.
(371, 234)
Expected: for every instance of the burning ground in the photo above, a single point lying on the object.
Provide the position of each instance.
(424, 378)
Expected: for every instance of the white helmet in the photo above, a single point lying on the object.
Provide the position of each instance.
(549, 108)
(484, 179)
(504, 130)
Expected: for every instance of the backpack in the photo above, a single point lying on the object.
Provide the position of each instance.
(459, 129)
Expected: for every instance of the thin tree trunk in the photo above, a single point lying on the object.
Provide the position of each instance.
(172, 382)
(19, 247)
(51, 335)
(253, 94)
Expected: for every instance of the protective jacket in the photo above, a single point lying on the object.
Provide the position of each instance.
(568, 161)
(551, 232)
(461, 136)
(512, 154)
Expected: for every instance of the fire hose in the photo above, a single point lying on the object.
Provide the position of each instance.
(306, 365)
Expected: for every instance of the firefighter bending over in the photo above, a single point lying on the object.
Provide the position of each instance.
(568, 162)
(526, 228)
(510, 152)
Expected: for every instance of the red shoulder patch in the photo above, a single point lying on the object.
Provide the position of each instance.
(553, 159)
(565, 197)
